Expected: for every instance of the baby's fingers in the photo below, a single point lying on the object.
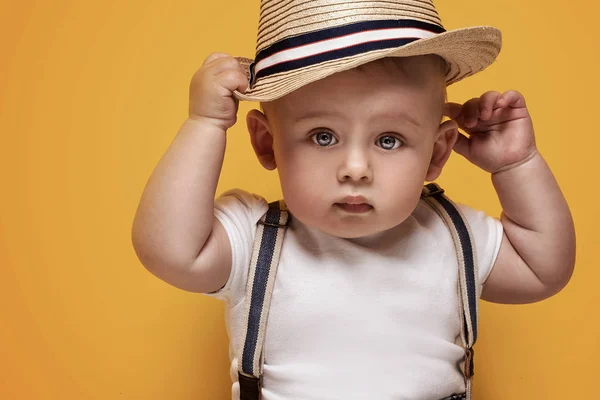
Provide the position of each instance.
(222, 64)
(487, 105)
(471, 112)
(512, 99)
(215, 56)
(233, 79)
(452, 110)
(463, 146)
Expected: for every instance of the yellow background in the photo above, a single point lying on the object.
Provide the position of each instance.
(92, 93)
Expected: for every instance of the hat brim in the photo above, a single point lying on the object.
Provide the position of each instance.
(467, 52)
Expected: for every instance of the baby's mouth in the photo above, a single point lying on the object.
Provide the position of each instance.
(354, 208)
(354, 204)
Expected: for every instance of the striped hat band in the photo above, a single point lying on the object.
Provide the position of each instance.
(330, 44)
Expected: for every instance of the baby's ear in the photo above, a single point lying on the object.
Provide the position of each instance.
(261, 138)
(442, 148)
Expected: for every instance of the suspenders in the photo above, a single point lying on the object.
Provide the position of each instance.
(263, 269)
(467, 273)
(261, 279)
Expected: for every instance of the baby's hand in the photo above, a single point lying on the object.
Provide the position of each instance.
(211, 90)
(500, 130)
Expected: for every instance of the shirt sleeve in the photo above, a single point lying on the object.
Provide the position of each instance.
(238, 211)
(487, 235)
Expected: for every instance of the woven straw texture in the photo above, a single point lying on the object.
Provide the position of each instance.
(467, 51)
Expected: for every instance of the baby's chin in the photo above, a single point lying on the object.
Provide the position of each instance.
(360, 227)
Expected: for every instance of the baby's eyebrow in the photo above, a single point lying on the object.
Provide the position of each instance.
(390, 115)
(396, 115)
(317, 114)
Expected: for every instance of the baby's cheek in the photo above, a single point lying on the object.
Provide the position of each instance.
(306, 195)
(306, 171)
(306, 191)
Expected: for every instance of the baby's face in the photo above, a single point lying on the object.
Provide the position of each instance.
(367, 133)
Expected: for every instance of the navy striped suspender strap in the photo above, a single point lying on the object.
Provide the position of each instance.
(263, 268)
(468, 296)
(261, 278)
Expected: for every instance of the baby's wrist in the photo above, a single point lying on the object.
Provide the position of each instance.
(205, 124)
(517, 164)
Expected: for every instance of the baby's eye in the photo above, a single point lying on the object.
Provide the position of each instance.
(324, 139)
(388, 142)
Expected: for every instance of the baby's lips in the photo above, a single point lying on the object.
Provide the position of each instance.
(353, 200)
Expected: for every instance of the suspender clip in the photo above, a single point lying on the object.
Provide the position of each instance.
(431, 190)
(271, 224)
(249, 386)
(469, 367)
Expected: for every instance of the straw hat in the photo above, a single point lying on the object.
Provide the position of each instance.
(301, 41)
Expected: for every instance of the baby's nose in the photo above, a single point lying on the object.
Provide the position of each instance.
(355, 167)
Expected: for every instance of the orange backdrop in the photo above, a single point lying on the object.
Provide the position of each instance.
(92, 93)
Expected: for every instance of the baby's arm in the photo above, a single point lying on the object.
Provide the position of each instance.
(537, 253)
(175, 234)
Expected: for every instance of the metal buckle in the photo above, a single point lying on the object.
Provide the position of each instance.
(469, 367)
(250, 386)
(260, 221)
(438, 190)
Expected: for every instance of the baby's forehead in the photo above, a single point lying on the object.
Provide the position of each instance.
(337, 99)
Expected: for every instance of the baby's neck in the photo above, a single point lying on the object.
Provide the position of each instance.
(379, 240)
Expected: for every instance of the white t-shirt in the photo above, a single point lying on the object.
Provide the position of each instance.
(356, 321)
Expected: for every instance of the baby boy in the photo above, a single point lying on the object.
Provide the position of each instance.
(353, 107)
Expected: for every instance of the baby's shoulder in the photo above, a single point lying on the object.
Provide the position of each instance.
(241, 202)
(243, 196)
